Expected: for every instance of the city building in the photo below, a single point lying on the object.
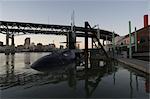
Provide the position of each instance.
(32, 46)
(118, 40)
(27, 43)
(39, 47)
(143, 38)
(19, 48)
(52, 45)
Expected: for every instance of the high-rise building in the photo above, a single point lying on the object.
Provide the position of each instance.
(27, 43)
(39, 47)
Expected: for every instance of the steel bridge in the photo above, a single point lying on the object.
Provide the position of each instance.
(11, 29)
(21, 28)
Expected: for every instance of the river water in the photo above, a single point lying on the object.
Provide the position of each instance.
(114, 80)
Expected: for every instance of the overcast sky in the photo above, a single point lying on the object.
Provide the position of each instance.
(111, 15)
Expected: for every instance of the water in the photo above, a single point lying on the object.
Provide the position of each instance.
(114, 80)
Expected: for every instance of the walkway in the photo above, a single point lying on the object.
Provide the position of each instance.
(137, 64)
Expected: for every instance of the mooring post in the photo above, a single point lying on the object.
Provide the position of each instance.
(130, 46)
(86, 45)
(135, 40)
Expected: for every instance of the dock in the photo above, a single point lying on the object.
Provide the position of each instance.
(137, 64)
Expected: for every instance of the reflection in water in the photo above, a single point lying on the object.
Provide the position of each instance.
(92, 82)
(147, 84)
(27, 59)
(12, 64)
(9, 67)
(114, 65)
(114, 77)
(72, 81)
(92, 77)
(131, 87)
(137, 84)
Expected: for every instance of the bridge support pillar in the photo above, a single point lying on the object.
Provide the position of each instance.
(12, 45)
(7, 49)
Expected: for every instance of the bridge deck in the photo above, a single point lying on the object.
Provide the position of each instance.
(21, 28)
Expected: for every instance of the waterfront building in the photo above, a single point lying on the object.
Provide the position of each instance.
(32, 46)
(143, 38)
(39, 47)
(52, 46)
(20, 48)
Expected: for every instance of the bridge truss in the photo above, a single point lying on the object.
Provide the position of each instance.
(22, 28)
(11, 29)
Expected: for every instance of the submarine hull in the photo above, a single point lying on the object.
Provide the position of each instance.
(54, 60)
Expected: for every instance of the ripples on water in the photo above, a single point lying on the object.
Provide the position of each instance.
(114, 80)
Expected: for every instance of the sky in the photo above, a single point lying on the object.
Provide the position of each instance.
(111, 15)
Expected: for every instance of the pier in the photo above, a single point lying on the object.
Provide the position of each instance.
(137, 64)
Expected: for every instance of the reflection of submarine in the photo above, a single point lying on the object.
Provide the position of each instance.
(54, 60)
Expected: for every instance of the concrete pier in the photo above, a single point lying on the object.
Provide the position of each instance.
(10, 48)
(143, 66)
(7, 48)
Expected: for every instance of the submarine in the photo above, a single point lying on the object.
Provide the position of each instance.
(55, 60)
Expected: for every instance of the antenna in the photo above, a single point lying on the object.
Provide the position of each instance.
(72, 21)
(72, 36)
